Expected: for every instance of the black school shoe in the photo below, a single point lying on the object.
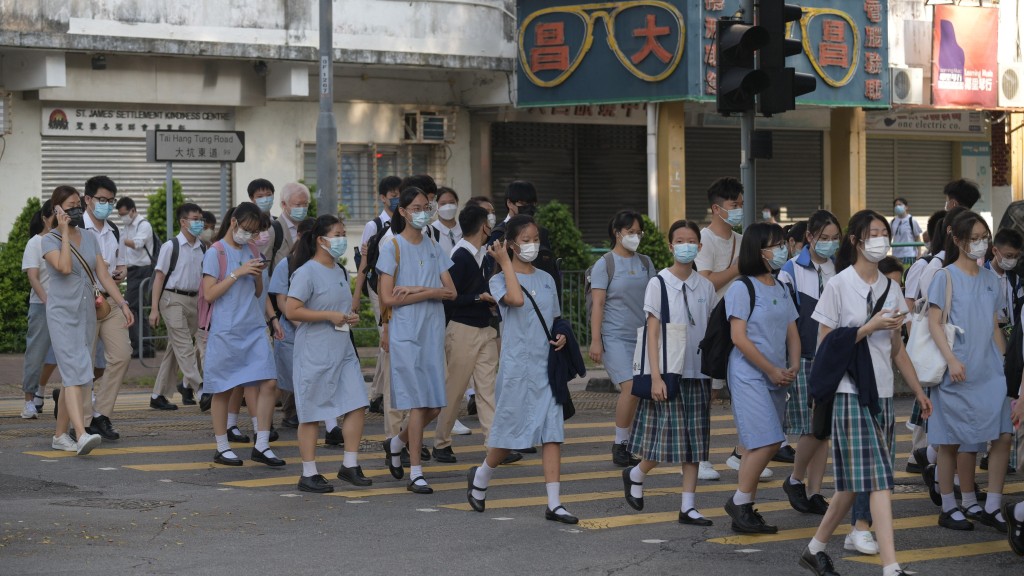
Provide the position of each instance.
(621, 456)
(101, 425)
(334, 437)
(929, 481)
(445, 455)
(377, 405)
(946, 520)
(627, 486)
(220, 458)
(261, 457)
(512, 458)
(785, 454)
(235, 435)
(990, 519)
(353, 476)
(397, 472)
(205, 401)
(188, 397)
(818, 505)
(290, 422)
(161, 403)
(746, 520)
(316, 484)
(819, 563)
(554, 516)
(471, 405)
(1015, 529)
(685, 518)
(797, 494)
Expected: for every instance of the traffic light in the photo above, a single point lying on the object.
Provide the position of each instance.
(738, 79)
(784, 84)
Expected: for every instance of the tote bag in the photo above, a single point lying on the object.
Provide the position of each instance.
(924, 353)
(673, 350)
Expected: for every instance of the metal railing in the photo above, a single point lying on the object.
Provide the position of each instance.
(574, 304)
(141, 311)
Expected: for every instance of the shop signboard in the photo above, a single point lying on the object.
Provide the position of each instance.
(965, 43)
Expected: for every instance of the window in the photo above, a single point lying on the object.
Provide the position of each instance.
(361, 167)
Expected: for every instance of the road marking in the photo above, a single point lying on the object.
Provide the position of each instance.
(746, 550)
(108, 469)
(654, 541)
(807, 533)
(940, 553)
(427, 510)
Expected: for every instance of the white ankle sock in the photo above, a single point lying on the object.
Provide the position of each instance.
(969, 500)
(993, 502)
(351, 459)
(688, 505)
(154, 396)
(1018, 512)
(816, 546)
(396, 449)
(263, 443)
(222, 443)
(741, 498)
(554, 499)
(891, 570)
(949, 505)
(255, 426)
(794, 481)
(621, 435)
(482, 479)
(309, 469)
(637, 475)
(232, 420)
(417, 472)
(933, 454)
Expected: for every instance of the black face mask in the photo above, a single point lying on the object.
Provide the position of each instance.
(527, 210)
(76, 216)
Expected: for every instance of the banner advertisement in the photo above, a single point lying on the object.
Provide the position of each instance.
(965, 43)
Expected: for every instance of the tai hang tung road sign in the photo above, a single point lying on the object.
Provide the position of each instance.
(196, 146)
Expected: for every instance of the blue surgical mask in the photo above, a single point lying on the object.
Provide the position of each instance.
(826, 248)
(338, 246)
(420, 219)
(735, 217)
(101, 211)
(779, 256)
(195, 227)
(684, 253)
(265, 203)
(393, 204)
(298, 213)
(900, 209)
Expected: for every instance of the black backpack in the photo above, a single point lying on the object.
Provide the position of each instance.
(175, 250)
(278, 241)
(717, 344)
(1013, 366)
(156, 246)
(372, 254)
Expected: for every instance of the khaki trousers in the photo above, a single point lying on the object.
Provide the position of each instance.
(381, 386)
(471, 353)
(181, 317)
(118, 353)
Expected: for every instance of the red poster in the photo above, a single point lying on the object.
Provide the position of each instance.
(964, 45)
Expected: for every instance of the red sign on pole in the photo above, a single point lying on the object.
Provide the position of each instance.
(965, 42)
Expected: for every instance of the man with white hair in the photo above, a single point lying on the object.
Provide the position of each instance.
(294, 207)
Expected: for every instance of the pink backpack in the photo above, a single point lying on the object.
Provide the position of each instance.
(206, 308)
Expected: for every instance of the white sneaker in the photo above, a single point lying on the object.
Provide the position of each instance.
(707, 472)
(766, 475)
(64, 442)
(87, 442)
(460, 429)
(734, 462)
(29, 411)
(861, 541)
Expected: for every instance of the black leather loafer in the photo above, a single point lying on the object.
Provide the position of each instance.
(946, 521)
(334, 437)
(627, 487)
(474, 503)
(797, 494)
(512, 458)
(445, 455)
(220, 458)
(316, 484)
(685, 518)
(819, 563)
(353, 476)
(554, 516)
(1014, 529)
(262, 458)
(396, 471)
(419, 488)
(235, 435)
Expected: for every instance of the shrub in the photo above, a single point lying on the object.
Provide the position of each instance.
(655, 245)
(565, 237)
(14, 286)
(157, 212)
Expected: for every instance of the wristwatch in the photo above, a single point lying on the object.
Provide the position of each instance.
(477, 299)
(232, 276)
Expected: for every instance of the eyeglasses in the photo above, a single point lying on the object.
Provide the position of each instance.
(103, 200)
(549, 50)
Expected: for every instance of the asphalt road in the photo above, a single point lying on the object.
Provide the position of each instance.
(154, 503)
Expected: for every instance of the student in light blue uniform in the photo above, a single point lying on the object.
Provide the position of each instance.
(526, 413)
(806, 277)
(327, 377)
(762, 365)
(970, 404)
(413, 281)
(237, 350)
(616, 313)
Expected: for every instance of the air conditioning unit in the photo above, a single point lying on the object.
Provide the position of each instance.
(426, 127)
(1011, 85)
(907, 85)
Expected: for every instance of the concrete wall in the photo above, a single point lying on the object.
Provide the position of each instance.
(21, 164)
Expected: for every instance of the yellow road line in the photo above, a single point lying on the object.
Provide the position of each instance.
(940, 552)
(807, 533)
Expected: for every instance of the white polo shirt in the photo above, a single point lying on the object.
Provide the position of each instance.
(188, 270)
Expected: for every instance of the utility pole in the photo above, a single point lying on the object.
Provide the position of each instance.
(748, 175)
(326, 129)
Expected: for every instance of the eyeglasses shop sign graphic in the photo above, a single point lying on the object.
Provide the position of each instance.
(651, 50)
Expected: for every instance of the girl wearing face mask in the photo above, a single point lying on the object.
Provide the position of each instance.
(37, 369)
(320, 301)
(863, 430)
(238, 353)
(413, 281)
(78, 270)
(762, 366)
(526, 413)
(806, 276)
(971, 405)
(676, 430)
(616, 313)
(447, 223)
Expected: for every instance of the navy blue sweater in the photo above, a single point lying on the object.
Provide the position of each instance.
(469, 284)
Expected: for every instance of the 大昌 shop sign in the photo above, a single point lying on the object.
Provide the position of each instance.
(129, 122)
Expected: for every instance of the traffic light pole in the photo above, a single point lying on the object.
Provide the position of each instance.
(326, 129)
(747, 168)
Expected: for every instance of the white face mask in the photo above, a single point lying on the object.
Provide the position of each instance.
(206, 235)
(631, 242)
(1007, 263)
(242, 236)
(528, 252)
(448, 211)
(491, 220)
(876, 248)
(977, 250)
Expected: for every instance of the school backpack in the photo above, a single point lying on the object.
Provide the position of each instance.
(609, 262)
(1013, 366)
(206, 308)
(156, 245)
(717, 344)
(278, 241)
(372, 254)
(175, 251)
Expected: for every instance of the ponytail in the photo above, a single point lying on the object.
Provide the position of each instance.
(305, 247)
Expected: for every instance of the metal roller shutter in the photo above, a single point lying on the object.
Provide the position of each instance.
(73, 161)
(612, 176)
(881, 175)
(793, 178)
(541, 153)
(914, 169)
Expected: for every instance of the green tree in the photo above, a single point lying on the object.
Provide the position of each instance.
(14, 286)
(655, 245)
(157, 212)
(565, 237)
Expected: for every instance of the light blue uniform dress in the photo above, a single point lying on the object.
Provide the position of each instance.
(283, 349)
(976, 410)
(237, 350)
(759, 406)
(526, 413)
(623, 311)
(71, 312)
(416, 331)
(327, 378)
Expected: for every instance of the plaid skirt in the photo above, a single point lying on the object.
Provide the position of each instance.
(798, 413)
(915, 414)
(677, 430)
(862, 454)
